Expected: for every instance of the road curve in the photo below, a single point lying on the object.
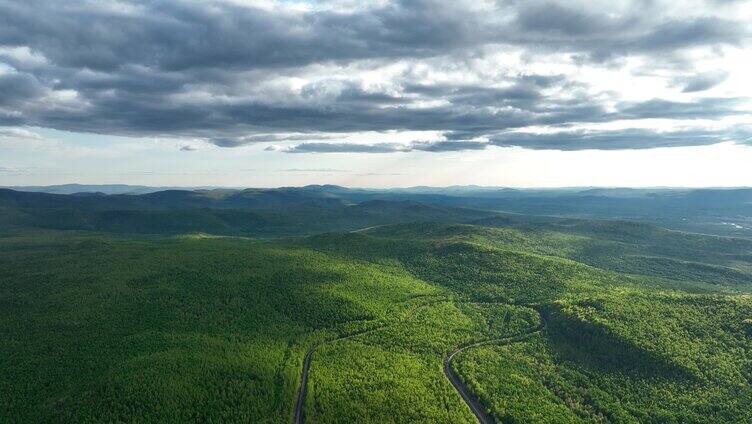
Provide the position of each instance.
(303, 387)
(472, 402)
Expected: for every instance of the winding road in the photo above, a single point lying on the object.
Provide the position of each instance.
(472, 402)
(303, 388)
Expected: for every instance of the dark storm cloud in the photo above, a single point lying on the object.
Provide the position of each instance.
(209, 69)
(15, 89)
(464, 117)
(10, 119)
(601, 34)
(177, 35)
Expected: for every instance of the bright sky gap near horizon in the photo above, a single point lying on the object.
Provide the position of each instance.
(376, 93)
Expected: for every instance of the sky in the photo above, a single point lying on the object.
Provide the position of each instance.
(376, 93)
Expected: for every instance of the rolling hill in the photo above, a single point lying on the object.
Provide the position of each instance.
(141, 308)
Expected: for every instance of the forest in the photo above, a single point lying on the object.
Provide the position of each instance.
(112, 315)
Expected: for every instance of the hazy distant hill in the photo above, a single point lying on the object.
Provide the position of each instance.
(712, 211)
(98, 188)
(230, 212)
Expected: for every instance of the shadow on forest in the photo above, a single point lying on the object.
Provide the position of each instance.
(594, 347)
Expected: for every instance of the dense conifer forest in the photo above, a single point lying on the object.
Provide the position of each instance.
(540, 319)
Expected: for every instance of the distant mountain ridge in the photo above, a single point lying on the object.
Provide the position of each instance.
(456, 190)
(99, 188)
(721, 211)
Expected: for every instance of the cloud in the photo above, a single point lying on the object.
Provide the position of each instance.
(17, 170)
(469, 69)
(627, 139)
(179, 35)
(19, 133)
(265, 138)
(702, 82)
(701, 109)
(188, 148)
(314, 170)
(17, 88)
(447, 146)
(227, 142)
(422, 146)
(612, 140)
(345, 148)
